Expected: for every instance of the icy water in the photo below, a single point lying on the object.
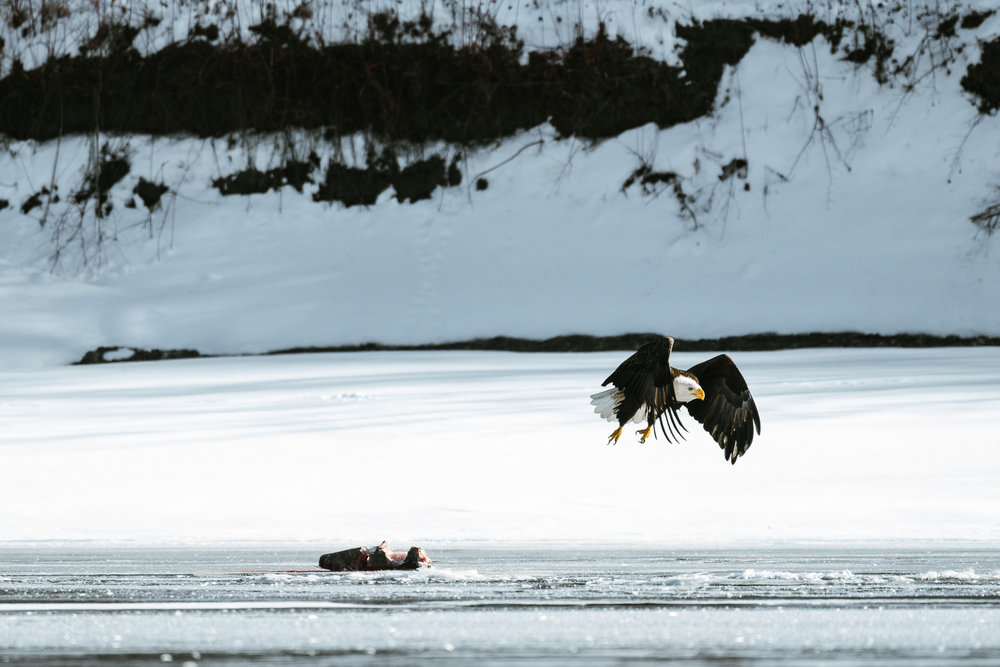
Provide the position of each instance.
(500, 605)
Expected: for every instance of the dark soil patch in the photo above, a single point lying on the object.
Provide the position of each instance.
(109, 168)
(418, 180)
(799, 31)
(946, 28)
(354, 186)
(35, 200)
(653, 183)
(393, 88)
(247, 182)
(773, 341)
(624, 342)
(736, 167)
(150, 193)
(715, 44)
(110, 38)
(983, 78)
(974, 19)
(751, 342)
(874, 45)
(97, 356)
(211, 32)
(648, 179)
(4, 204)
(253, 181)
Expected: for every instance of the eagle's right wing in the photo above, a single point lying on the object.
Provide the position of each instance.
(728, 413)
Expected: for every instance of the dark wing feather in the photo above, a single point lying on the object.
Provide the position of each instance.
(728, 412)
(645, 378)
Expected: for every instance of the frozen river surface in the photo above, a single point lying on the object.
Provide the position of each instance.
(497, 605)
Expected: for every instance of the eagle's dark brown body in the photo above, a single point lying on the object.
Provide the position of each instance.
(647, 388)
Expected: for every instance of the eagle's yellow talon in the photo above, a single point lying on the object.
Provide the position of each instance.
(613, 440)
(644, 433)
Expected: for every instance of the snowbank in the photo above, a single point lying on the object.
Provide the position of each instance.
(852, 213)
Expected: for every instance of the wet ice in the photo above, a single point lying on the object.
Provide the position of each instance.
(599, 604)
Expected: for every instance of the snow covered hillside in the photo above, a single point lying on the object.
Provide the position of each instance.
(813, 198)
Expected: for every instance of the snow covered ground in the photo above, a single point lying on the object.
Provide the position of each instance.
(854, 215)
(348, 449)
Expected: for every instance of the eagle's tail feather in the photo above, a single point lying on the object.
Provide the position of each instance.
(605, 402)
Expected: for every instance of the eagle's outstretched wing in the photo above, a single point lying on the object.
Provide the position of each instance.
(646, 383)
(728, 412)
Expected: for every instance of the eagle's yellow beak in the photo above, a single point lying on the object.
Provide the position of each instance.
(700, 393)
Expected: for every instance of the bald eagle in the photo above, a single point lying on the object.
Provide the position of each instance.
(646, 387)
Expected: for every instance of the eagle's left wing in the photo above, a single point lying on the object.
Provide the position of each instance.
(728, 412)
(647, 386)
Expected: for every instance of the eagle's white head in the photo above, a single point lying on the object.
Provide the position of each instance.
(687, 389)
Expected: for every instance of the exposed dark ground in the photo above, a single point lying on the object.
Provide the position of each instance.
(404, 85)
(405, 81)
(586, 343)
